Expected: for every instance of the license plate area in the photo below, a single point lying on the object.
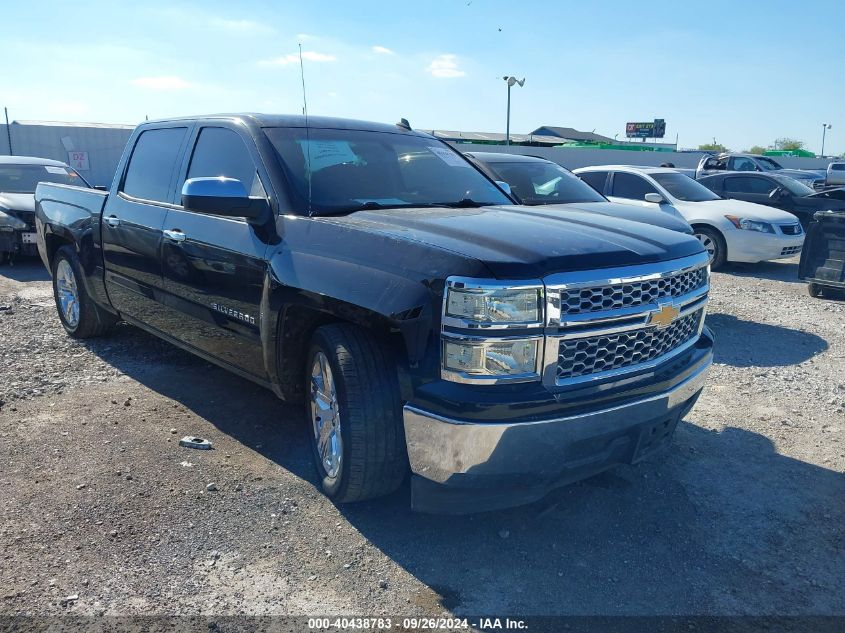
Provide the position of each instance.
(28, 238)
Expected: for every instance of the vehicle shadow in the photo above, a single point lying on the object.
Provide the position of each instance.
(24, 270)
(786, 272)
(741, 343)
(724, 525)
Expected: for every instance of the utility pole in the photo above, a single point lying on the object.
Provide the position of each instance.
(511, 81)
(8, 131)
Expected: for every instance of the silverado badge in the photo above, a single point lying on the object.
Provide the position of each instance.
(664, 317)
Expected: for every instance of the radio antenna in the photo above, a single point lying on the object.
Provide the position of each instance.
(307, 130)
(302, 76)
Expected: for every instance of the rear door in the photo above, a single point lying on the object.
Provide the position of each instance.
(133, 220)
(214, 267)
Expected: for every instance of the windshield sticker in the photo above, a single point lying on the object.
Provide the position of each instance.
(384, 201)
(55, 170)
(448, 156)
(322, 154)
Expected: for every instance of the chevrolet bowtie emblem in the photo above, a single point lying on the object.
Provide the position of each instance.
(664, 316)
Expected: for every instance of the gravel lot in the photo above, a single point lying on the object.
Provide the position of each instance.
(103, 512)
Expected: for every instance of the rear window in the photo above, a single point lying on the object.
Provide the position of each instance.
(152, 164)
(24, 178)
(545, 183)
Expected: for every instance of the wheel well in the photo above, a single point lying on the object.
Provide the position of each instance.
(53, 243)
(296, 327)
(702, 225)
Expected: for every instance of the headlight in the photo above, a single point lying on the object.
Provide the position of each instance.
(750, 225)
(11, 222)
(490, 358)
(482, 304)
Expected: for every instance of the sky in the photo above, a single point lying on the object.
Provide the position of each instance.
(741, 72)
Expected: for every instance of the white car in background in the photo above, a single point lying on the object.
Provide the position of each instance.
(730, 230)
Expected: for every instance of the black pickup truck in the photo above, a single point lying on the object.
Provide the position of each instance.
(374, 274)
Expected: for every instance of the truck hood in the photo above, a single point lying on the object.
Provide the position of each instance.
(718, 209)
(17, 201)
(671, 220)
(528, 242)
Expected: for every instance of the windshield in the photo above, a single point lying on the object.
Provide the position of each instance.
(24, 178)
(545, 183)
(340, 171)
(794, 187)
(767, 164)
(684, 188)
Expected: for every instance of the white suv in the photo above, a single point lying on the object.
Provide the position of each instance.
(730, 230)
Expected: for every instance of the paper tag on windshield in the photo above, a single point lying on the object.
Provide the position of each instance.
(55, 170)
(322, 154)
(448, 156)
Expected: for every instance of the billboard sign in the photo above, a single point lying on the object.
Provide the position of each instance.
(652, 129)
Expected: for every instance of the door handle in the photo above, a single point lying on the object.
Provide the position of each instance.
(174, 234)
(113, 221)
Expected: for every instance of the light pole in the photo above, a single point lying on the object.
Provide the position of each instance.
(825, 128)
(511, 81)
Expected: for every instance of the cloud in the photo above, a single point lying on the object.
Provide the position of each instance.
(166, 82)
(293, 58)
(304, 37)
(445, 66)
(240, 26)
(381, 50)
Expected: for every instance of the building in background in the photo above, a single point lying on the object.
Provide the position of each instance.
(93, 149)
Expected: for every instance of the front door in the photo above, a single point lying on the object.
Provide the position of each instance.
(214, 267)
(133, 220)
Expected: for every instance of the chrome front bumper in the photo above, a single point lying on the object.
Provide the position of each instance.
(453, 453)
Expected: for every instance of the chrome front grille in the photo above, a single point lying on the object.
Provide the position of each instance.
(596, 354)
(603, 324)
(580, 300)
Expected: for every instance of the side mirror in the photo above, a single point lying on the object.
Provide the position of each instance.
(654, 198)
(222, 196)
(504, 187)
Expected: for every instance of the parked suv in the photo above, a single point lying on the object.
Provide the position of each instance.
(373, 274)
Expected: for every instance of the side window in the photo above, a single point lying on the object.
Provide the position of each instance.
(631, 186)
(741, 163)
(152, 163)
(749, 184)
(221, 152)
(595, 179)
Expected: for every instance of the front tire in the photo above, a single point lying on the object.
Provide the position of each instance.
(355, 414)
(80, 316)
(714, 244)
(814, 290)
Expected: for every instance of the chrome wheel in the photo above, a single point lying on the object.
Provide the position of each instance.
(708, 243)
(67, 293)
(325, 415)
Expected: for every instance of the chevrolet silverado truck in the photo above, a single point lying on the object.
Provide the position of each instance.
(369, 271)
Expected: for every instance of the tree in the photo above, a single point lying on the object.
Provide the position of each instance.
(788, 143)
(756, 149)
(713, 147)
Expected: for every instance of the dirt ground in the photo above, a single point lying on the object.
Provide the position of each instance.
(104, 513)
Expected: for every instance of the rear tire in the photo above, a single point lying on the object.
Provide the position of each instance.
(355, 414)
(714, 243)
(80, 316)
(814, 290)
